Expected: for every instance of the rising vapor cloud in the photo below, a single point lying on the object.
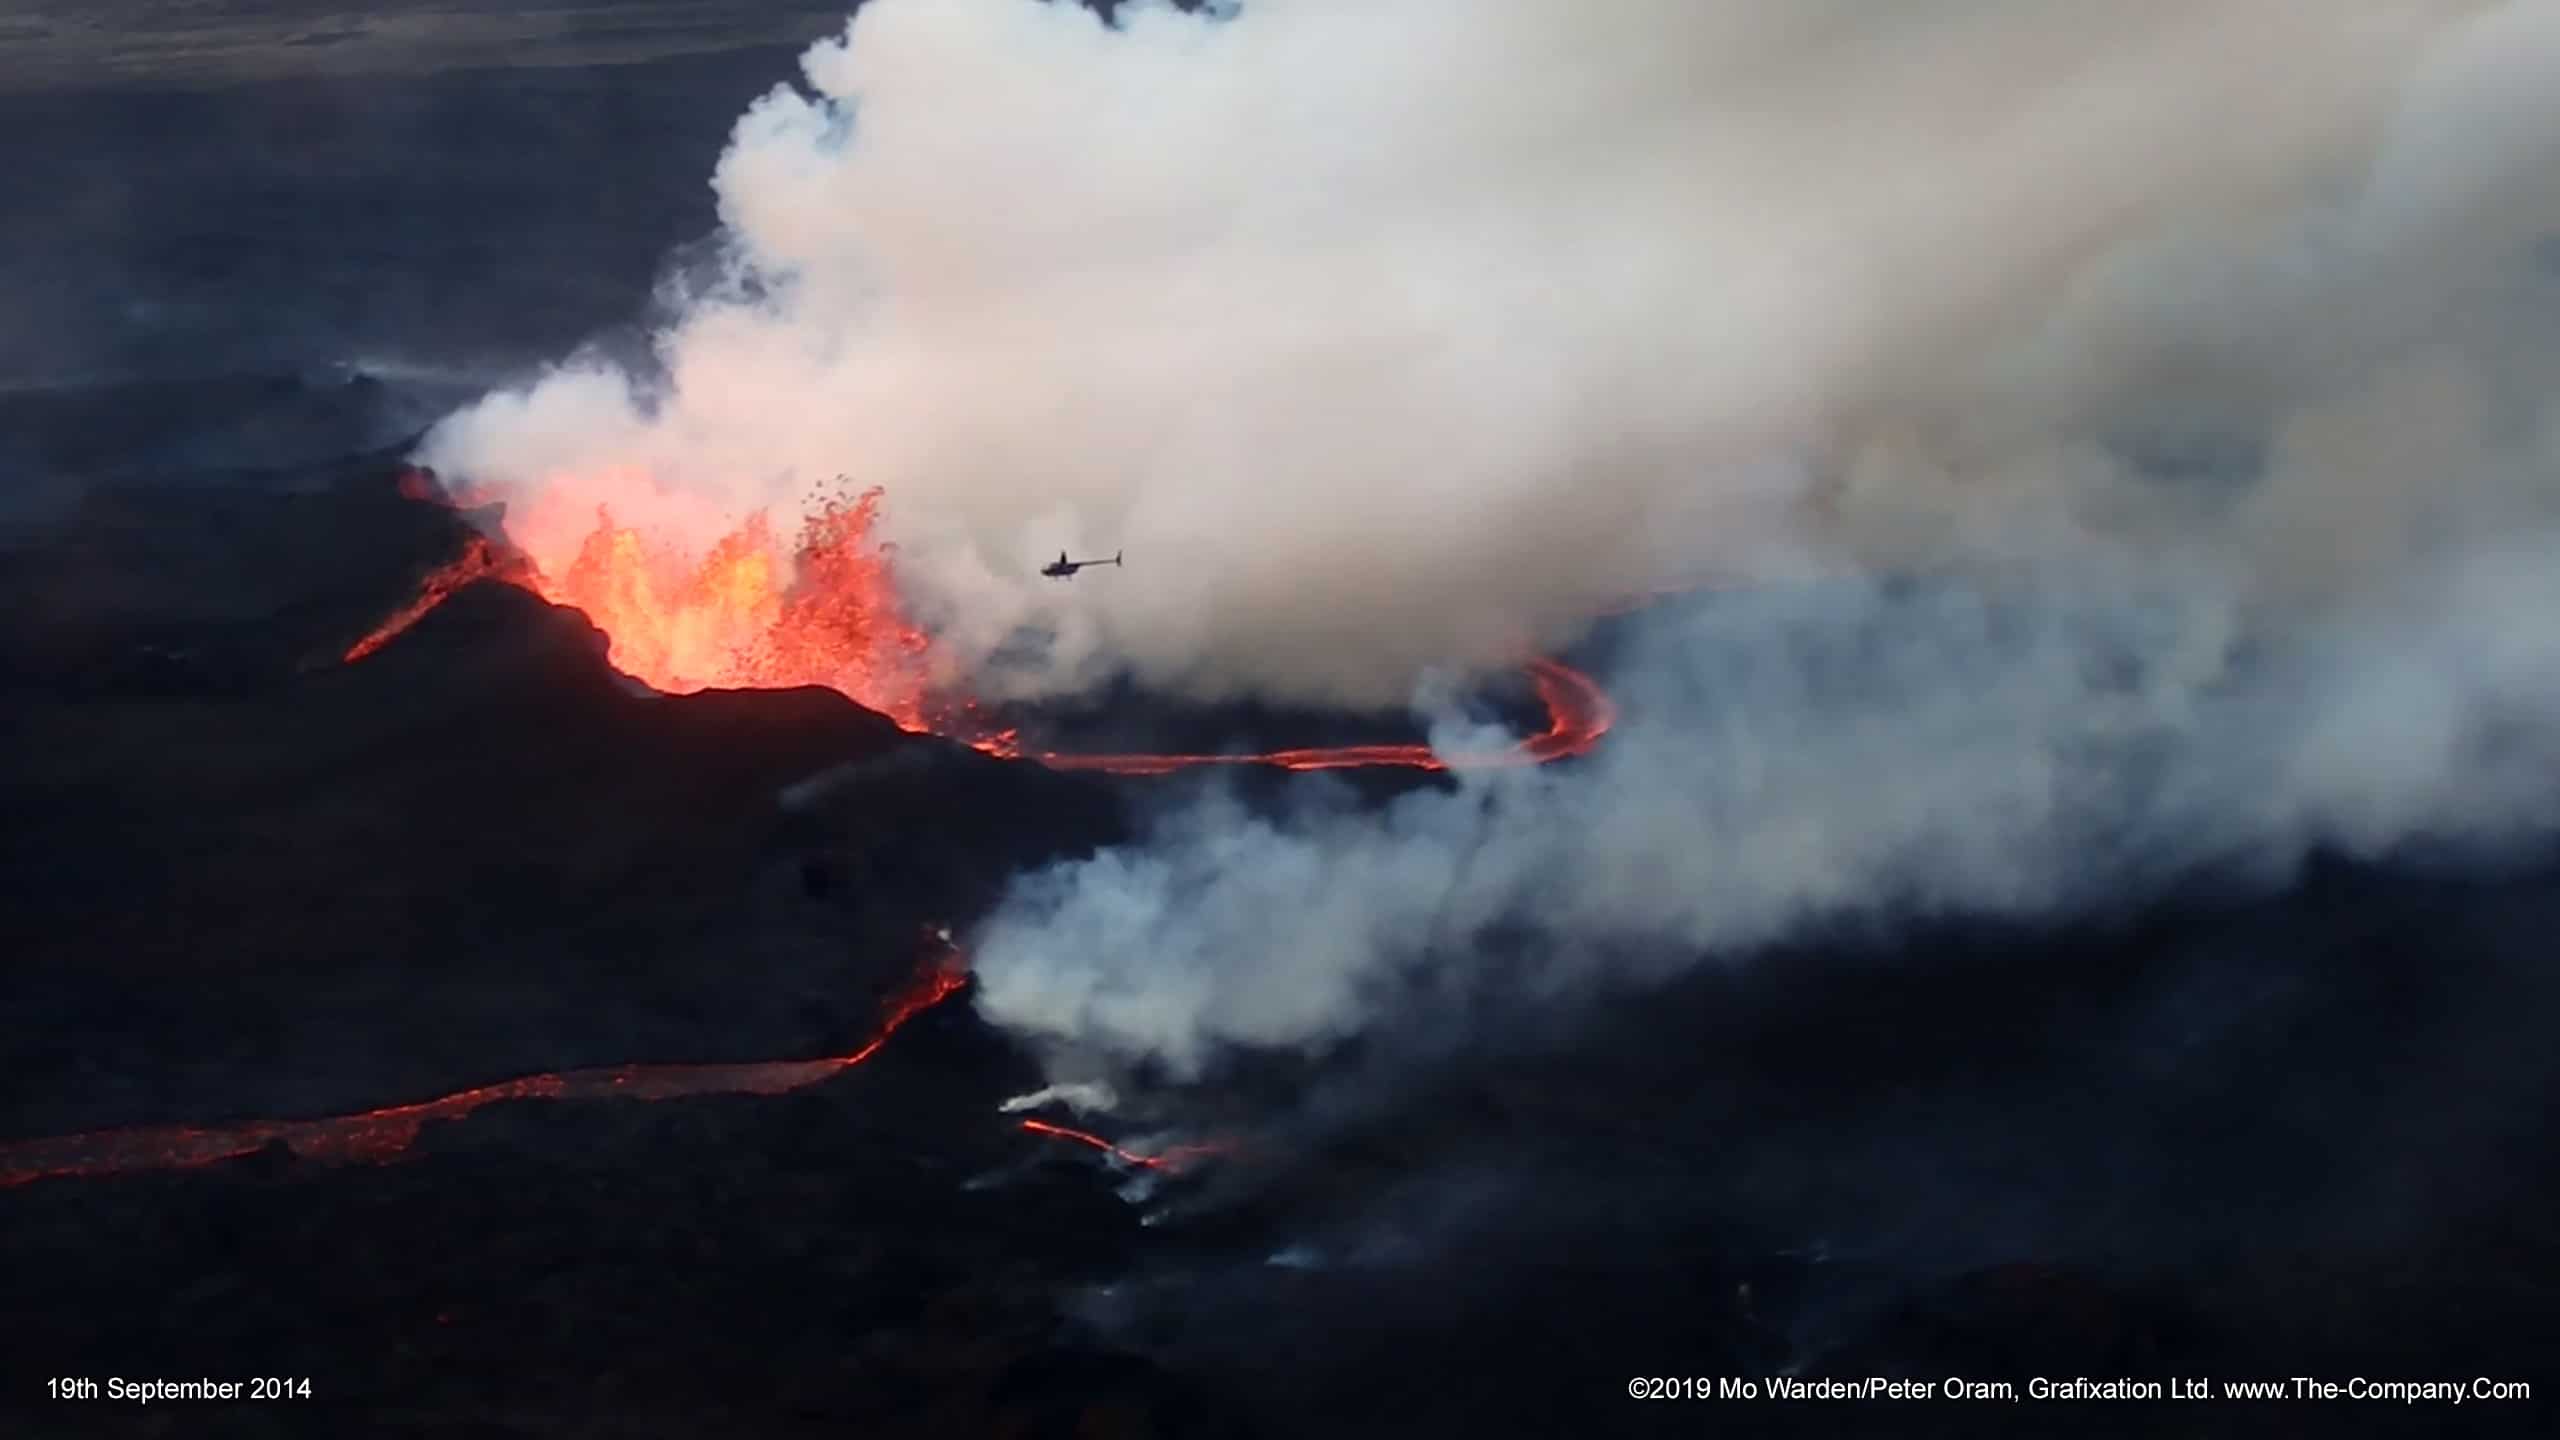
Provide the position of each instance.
(2128, 426)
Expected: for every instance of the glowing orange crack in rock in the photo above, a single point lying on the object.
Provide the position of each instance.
(1175, 1158)
(378, 1136)
(480, 560)
(1579, 712)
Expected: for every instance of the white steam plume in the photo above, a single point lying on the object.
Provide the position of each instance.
(2203, 350)
(2233, 449)
(1392, 335)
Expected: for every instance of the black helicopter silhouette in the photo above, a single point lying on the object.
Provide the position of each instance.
(1063, 567)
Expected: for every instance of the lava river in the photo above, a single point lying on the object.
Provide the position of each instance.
(385, 1134)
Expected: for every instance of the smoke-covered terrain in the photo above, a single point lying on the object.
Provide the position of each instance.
(2060, 496)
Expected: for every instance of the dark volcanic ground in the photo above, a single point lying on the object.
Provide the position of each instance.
(2230, 1137)
(2305, 1135)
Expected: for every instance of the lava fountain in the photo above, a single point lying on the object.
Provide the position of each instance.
(745, 614)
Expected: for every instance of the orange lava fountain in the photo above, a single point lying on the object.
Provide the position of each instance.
(743, 615)
(380, 1136)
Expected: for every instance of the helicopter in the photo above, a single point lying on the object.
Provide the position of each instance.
(1062, 567)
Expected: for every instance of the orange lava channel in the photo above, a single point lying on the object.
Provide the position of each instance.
(1178, 1157)
(1579, 712)
(379, 1136)
(479, 560)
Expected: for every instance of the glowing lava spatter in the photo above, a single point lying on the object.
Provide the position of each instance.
(377, 1136)
(743, 615)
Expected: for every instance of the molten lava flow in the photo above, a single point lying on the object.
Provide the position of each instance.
(1176, 1158)
(479, 560)
(379, 1136)
(1579, 712)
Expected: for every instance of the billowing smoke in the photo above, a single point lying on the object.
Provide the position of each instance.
(1387, 336)
(2176, 449)
(2125, 428)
